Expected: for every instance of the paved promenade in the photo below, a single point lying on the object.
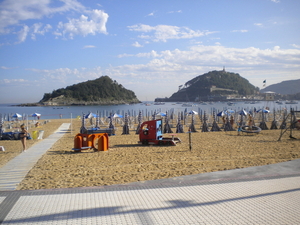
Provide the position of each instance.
(257, 195)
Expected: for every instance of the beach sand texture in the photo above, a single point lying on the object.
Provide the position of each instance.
(127, 161)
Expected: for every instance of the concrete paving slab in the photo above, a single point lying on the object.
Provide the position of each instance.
(272, 201)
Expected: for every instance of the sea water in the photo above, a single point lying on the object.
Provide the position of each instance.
(146, 108)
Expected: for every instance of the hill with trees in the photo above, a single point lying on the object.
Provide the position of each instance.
(289, 87)
(93, 92)
(214, 85)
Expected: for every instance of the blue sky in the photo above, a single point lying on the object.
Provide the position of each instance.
(150, 47)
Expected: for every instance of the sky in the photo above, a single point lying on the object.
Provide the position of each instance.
(150, 47)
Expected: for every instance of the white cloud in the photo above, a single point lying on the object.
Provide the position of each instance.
(5, 68)
(141, 28)
(66, 76)
(84, 25)
(124, 55)
(151, 14)
(89, 46)
(241, 31)
(175, 67)
(22, 34)
(11, 81)
(258, 24)
(152, 54)
(136, 44)
(166, 32)
(178, 11)
(13, 12)
(38, 28)
(252, 63)
(296, 46)
(191, 61)
(276, 1)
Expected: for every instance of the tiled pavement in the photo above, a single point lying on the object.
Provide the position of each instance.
(257, 195)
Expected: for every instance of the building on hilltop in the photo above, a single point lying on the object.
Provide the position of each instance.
(213, 88)
(269, 95)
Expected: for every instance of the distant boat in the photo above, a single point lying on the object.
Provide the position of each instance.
(291, 102)
(188, 105)
(230, 103)
(279, 102)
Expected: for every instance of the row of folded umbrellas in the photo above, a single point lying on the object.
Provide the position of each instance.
(92, 115)
(192, 112)
(17, 115)
(89, 115)
(242, 112)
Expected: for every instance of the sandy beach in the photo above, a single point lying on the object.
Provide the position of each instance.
(127, 161)
(14, 147)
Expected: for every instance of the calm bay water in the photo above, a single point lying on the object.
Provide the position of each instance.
(54, 112)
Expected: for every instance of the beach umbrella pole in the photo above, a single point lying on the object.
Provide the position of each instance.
(190, 140)
(71, 123)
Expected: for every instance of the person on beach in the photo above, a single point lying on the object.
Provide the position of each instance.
(23, 136)
(224, 121)
(240, 124)
(231, 120)
(298, 125)
(250, 123)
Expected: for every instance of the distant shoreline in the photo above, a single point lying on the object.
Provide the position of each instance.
(73, 104)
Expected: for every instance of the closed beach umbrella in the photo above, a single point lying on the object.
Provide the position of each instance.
(215, 126)
(192, 126)
(140, 123)
(204, 125)
(179, 127)
(111, 125)
(263, 124)
(97, 121)
(167, 128)
(126, 127)
(1, 125)
(153, 115)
